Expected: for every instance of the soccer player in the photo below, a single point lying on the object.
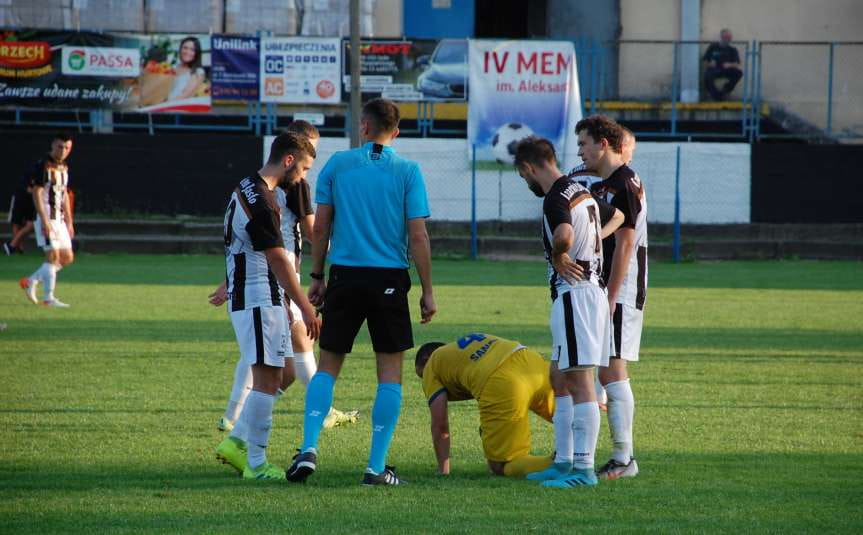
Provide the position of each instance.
(507, 380)
(54, 227)
(580, 322)
(625, 276)
(294, 202)
(371, 204)
(257, 265)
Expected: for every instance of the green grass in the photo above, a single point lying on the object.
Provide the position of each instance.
(748, 409)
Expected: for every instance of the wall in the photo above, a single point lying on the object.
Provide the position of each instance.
(422, 19)
(129, 174)
(388, 18)
(714, 184)
(785, 190)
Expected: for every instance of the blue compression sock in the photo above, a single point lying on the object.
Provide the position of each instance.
(385, 415)
(319, 399)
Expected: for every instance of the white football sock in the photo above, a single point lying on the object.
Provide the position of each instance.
(601, 396)
(50, 279)
(562, 420)
(240, 390)
(259, 418)
(305, 366)
(585, 432)
(621, 411)
(41, 273)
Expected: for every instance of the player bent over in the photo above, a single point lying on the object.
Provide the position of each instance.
(256, 265)
(294, 203)
(626, 277)
(508, 381)
(54, 228)
(580, 321)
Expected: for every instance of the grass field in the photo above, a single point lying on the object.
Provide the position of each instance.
(748, 410)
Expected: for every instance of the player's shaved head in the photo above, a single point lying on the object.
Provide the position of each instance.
(424, 353)
(382, 116)
(601, 127)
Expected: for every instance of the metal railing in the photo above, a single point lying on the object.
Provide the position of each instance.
(813, 90)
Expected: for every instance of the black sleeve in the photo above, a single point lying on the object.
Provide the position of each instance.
(624, 188)
(36, 175)
(606, 211)
(555, 207)
(707, 53)
(299, 199)
(264, 228)
(735, 55)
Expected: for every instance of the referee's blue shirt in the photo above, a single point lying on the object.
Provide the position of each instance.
(373, 192)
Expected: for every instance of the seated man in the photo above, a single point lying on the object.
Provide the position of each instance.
(506, 379)
(723, 62)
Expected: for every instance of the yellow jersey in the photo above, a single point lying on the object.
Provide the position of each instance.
(462, 368)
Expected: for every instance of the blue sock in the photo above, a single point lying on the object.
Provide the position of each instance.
(319, 399)
(385, 415)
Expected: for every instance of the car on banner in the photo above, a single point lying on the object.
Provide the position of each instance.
(446, 73)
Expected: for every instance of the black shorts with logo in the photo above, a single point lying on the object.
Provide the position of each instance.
(376, 295)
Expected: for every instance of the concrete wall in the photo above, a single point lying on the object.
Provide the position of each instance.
(794, 76)
(715, 181)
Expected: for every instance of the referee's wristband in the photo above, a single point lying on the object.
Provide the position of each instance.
(317, 276)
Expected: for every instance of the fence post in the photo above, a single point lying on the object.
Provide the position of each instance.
(675, 245)
(830, 92)
(675, 87)
(473, 231)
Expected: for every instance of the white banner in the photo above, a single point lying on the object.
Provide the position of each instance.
(101, 61)
(303, 70)
(520, 88)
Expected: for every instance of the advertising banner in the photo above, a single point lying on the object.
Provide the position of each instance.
(410, 70)
(129, 72)
(522, 88)
(175, 72)
(302, 70)
(236, 67)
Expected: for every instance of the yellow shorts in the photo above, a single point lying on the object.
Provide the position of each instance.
(521, 384)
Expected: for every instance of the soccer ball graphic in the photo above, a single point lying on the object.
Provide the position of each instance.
(505, 140)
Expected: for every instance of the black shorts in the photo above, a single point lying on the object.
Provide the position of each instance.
(22, 210)
(378, 295)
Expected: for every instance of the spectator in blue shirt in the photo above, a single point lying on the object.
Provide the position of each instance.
(372, 207)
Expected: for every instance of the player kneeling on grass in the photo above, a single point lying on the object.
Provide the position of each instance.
(257, 265)
(507, 379)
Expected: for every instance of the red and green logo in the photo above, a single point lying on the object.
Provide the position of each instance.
(77, 60)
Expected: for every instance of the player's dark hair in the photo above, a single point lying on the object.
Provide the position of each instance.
(304, 128)
(62, 136)
(425, 352)
(534, 150)
(382, 114)
(602, 127)
(290, 143)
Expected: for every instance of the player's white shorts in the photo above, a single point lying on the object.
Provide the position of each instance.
(580, 327)
(59, 235)
(627, 323)
(263, 335)
(296, 315)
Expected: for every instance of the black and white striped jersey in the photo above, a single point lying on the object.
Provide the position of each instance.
(295, 203)
(53, 178)
(584, 176)
(251, 227)
(624, 190)
(569, 202)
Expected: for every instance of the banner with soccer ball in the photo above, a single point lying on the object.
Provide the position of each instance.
(518, 89)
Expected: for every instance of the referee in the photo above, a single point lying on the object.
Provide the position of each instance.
(371, 204)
